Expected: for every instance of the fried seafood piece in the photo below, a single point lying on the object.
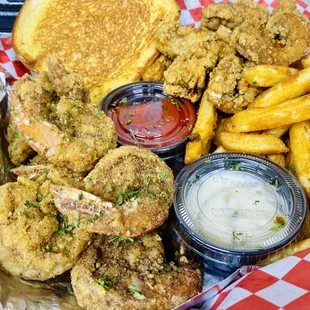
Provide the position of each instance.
(173, 40)
(232, 15)
(283, 41)
(227, 89)
(36, 242)
(155, 72)
(43, 172)
(131, 274)
(129, 193)
(56, 122)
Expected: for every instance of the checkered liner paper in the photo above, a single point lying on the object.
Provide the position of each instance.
(281, 285)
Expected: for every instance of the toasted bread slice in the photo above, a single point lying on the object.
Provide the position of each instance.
(109, 42)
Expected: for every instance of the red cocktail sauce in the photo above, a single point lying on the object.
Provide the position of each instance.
(157, 123)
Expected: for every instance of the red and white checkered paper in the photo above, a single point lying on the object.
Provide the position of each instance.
(283, 285)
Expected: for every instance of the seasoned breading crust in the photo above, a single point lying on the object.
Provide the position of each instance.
(36, 243)
(127, 274)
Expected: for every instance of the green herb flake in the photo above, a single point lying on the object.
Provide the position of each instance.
(48, 249)
(136, 292)
(124, 100)
(260, 248)
(279, 223)
(100, 112)
(255, 202)
(127, 194)
(39, 301)
(132, 114)
(163, 175)
(88, 180)
(108, 188)
(163, 195)
(127, 121)
(236, 167)
(292, 167)
(70, 290)
(107, 282)
(13, 208)
(29, 204)
(147, 180)
(117, 240)
(27, 215)
(64, 228)
(6, 168)
(80, 196)
(39, 198)
(76, 180)
(18, 135)
(254, 82)
(236, 235)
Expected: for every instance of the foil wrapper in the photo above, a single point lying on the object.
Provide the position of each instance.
(16, 293)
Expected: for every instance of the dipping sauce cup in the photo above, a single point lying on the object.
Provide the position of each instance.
(234, 209)
(147, 117)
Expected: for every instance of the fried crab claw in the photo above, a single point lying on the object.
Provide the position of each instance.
(131, 274)
(128, 193)
(51, 115)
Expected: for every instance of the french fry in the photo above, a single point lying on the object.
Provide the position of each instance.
(286, 113)
(252, 143)
(267, 75)
(218, 130)
(203, 131)
(305, 61)
(278, 159)
(300, 153)
(220, 149)
(277, 132)
(296, 85)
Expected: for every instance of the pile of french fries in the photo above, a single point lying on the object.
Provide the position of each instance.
(262, 128)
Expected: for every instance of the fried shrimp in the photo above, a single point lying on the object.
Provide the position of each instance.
(227, 89)
(56, 123)
(36, 242)
(284, 39)
(126, 274)
(232, 15)
(129, 193)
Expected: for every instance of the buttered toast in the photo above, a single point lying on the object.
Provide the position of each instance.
(108, 42)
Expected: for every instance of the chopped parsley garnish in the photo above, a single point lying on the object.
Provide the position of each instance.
(29, 204)
(39, 301)
(236, 167)
(163, 195)
(136, 292)
(39, 198)
(275, 182)
(64, 228)
(236, 235)
(254, 82)
(88, 180)
(124, 100)
(6, 168)
(127, 121)
(118, 240)
(100, 112)
(163, 175)
(255, 202)
(132, 114)
(147, 180)
(28, 216)
(107, 282)
(108, 188)
(80, 196)
(261, 248)
(127, 194)
(292, 167)
(279, 223)
(47, 249)
(18, 135)
(70, 290)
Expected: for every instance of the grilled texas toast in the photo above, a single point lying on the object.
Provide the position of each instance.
(109, 42)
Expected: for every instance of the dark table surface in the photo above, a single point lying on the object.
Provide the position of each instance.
(8, 12)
